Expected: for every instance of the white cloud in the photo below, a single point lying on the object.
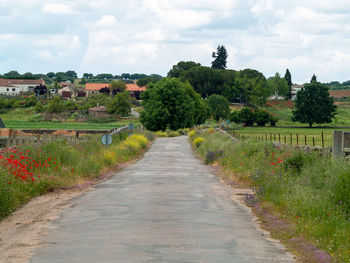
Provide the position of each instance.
(56, 8)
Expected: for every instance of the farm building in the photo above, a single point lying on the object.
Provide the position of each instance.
(13, 87)
(134, 89)
(71, 92)
(98, 112)
(294, 91)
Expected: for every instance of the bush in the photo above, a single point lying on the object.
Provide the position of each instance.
(219, 107)
(262, 117)
(197, 142)
(247, 116)
(36, 117)
(192, 133)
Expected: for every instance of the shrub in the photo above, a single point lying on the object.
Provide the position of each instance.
(192, 133)
(262, 117)
(140, 139)
(109, 157)
(247, 116)
(36, 117)
(197, 142)
(341, 191)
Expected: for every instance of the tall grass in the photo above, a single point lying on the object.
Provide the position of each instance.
(312, 191)
(30, 170)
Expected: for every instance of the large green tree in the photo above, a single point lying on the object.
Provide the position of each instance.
(313, 104)
(171, 104)
(180, 67)
(120, 104)
(220, 58)
(288, 78)
(219, 107)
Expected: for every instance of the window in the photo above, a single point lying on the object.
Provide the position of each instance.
(7, 89)
(13, 89)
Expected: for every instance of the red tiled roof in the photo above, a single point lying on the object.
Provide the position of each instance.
(134, 87)
(4, 82)
(95, 86)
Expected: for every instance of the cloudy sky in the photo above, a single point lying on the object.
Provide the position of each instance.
(149, 36)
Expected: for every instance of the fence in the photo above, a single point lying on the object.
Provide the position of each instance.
(292, 139)
(14, 138)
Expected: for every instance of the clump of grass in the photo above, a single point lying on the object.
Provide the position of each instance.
(310, 190)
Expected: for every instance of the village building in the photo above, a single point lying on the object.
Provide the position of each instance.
(71, 91)
(14, 87)
(134, 89)
(294, 91)
(98, 112)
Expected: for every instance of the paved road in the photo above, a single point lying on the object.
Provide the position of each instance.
(167, 207)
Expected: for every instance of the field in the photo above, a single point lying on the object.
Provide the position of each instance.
(23, 119)
(287, 128)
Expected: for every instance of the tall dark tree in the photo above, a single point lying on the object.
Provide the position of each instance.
(220, 58)
(314, 105)
(288, 78)
(313, 79)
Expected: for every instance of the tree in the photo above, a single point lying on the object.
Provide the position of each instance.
(12, 75)
(117, 86)
(278, 85)
(313, 79)
(220, 58)
(288, 78)
(55, 105)
(125, 75)
(51, 75)
(219, 107)
(171, 104)
(247, 115)
(180, 67)
(313, 104)
(121, 104)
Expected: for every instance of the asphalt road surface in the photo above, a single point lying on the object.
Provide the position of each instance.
(167, 207)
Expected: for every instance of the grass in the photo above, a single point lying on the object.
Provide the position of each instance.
(316, 133)
(31, 170)
(309, 190)
(23, 119)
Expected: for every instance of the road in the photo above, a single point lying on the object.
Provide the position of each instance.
(167, 207)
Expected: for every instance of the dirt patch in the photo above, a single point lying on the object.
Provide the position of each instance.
(21, 232)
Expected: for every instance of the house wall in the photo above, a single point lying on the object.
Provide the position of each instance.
(17, 89)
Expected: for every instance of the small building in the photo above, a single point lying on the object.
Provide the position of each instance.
(71, 92)
(94, 88)
(135, 90)
(294, 90)
(13, 87)
(98, 112)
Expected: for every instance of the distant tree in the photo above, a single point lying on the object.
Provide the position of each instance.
(59, 76)
(219, 107)
(117, 86)
(120, 104)
(104, 76)
(28, 75)
(12, 75)
(39, 107)
(220, 58)
(247, 116)
(180, 67)
(262, 117)
(288, 78)
(313, 79)
(88, 76)
(171, 104)
(125, 76)
(138, 76)
(51, 75)
(71, 74)
(313, 104)
(278, 85)
(117, 77)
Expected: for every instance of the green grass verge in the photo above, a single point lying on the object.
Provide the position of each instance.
(31, 170)
(310, 191)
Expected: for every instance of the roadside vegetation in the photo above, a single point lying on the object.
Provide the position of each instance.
(309, 190)
(31, 170)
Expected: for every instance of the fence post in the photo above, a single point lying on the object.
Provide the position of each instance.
(305, 140)
(285, 139)
(322, 140)
(265, 137)
(313, 141)
(297, 140)
(274, 136)
(279, 137)
(291, 139)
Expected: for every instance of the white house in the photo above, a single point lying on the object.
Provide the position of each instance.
(15, 87)
(294, 90)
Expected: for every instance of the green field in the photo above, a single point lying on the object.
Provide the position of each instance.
(22, 119)
(278, 134)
